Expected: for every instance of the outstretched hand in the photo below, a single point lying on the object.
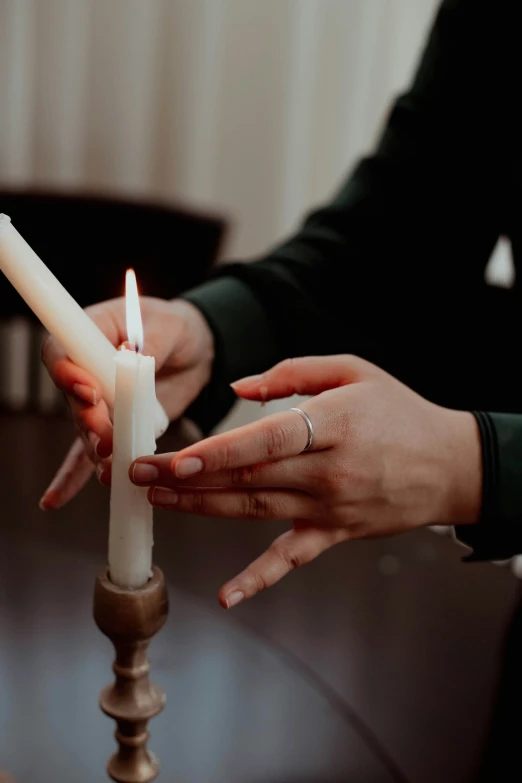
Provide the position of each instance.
(383, 460)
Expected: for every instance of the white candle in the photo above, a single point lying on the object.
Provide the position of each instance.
(130, 531)
(61, 315)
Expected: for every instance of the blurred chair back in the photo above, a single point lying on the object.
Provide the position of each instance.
(88, 242)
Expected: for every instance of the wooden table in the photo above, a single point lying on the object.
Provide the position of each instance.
(361, 667)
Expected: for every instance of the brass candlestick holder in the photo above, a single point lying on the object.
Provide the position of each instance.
(130, 618)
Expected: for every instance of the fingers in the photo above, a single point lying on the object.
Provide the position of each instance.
(291, 550)
(104, 471)
(306, 375)
(255, 504)
(90, 449)
(292, 473)
(73, 474)
(70, 378)
(84, 396)
(74, 381)
(95, 425)
(275, 437)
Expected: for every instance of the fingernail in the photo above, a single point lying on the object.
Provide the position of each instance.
(85, 393)
(143, 473)
(248, 379)
(163, 497)
(100, 467)
(234, 598)
(47, 501)
(188, 467)
(94, 441)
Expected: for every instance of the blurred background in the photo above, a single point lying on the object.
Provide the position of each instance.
(253, 110)
(230, 117)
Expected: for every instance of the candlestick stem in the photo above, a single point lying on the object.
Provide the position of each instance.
(130, 618)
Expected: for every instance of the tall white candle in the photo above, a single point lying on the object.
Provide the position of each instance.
(130, 531)
(61, 315)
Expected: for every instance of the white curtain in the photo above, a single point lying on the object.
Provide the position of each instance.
(255, 108)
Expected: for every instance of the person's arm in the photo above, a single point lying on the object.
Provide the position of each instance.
(417, 220)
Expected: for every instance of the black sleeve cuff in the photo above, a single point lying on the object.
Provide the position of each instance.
(245, 344)
(498, 533)
(246, 341)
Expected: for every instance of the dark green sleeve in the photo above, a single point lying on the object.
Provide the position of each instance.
(423, 209)
(498, 534)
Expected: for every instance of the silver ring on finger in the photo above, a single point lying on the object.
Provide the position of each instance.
(309, 425)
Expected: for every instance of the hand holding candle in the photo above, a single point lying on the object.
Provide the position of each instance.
(79, 356)
(180, 340)
(83, 342)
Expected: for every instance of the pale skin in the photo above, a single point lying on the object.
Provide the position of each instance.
(383, 459)
(176, 334)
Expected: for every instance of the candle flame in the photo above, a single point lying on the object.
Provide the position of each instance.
(132, 307)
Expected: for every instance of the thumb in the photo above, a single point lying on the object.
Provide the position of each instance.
(178, 390)
(306, 375)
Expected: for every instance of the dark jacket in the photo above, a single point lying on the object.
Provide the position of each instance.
(392, 269)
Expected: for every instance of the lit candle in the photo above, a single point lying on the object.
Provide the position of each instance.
(78, 335)
(130, 531)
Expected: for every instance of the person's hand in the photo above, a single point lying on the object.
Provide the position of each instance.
(383, 460)
(179, 338)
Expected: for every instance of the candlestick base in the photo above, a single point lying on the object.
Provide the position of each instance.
(130, 618)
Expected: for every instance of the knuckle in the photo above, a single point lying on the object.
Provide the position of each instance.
(225, 457)
(256, 505)
(347, 516)
(195, 501)
(242, 476)
(355, 362)
(289, 364)
(276, 439)
(323, 483)
(331, 482)
(290, 560)
(359, 365)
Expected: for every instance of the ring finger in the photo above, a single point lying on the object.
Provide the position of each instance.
(274, 438)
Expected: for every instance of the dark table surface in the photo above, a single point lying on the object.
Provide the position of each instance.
(377, 663)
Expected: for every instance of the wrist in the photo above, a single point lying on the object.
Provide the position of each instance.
(199, 336)
(464, 470)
